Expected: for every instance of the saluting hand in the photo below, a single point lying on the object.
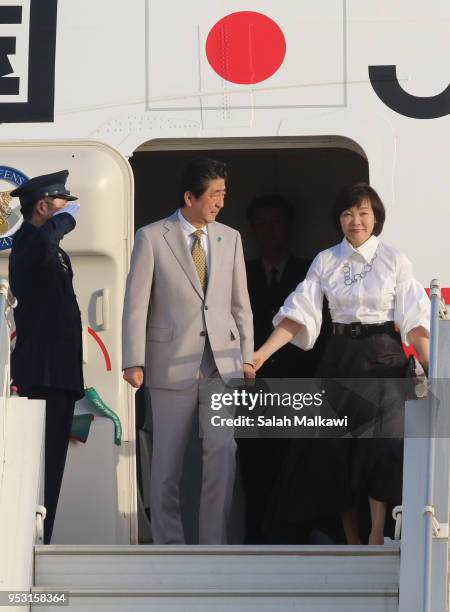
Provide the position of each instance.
(73, 208)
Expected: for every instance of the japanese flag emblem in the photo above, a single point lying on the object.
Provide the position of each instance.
(263, 54)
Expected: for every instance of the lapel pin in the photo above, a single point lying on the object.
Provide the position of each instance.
(219, 238)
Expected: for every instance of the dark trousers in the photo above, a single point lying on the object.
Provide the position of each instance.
(260, 461)
(59, 407)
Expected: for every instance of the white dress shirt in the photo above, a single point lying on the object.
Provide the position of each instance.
(279, 267)
(188, 230)
(388, 292)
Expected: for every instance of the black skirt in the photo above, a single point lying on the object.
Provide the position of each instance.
(324, 476)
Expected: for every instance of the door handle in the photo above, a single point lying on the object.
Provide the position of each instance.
(104, 296)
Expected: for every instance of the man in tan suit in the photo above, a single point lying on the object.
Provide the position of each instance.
(187, 318)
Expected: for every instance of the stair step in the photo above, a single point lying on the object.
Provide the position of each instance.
(222, 569)
(321, 599)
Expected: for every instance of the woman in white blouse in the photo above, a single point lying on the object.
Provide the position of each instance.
(370, 289)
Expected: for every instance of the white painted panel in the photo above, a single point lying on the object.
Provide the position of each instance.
(19, 60)
(180, 76)
(250, 602)
(88, 504)
(19, 491)
(151, 567)
(415, 39)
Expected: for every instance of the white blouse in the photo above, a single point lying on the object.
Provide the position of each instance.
(386, 291)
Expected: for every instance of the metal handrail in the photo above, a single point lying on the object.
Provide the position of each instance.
(7, 301)
(430, 520)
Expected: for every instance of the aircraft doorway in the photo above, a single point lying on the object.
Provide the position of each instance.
(308, 173)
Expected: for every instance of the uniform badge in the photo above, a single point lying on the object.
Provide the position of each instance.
(64, 266)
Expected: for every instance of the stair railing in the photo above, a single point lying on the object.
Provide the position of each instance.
(426, 483)
(22, 423)
(7, 301)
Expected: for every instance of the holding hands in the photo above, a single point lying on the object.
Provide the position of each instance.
(281, 335)
(249, 371)
(259, 358)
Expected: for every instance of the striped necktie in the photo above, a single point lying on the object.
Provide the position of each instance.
(199, 257)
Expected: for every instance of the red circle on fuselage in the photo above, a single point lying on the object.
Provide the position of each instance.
(245, 47)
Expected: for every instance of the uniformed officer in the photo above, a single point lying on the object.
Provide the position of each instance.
(47, 359)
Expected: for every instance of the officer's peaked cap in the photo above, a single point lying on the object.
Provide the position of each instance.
(47, 185)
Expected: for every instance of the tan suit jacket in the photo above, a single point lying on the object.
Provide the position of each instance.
(167, 316)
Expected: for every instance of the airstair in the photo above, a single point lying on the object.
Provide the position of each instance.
(238, 578)
(407, 575)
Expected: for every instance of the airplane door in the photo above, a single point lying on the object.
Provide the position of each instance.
(99, 475)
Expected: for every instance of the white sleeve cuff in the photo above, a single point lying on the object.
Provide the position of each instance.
(304, 305)
(412, 308)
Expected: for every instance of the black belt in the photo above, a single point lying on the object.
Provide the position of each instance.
(362, 330)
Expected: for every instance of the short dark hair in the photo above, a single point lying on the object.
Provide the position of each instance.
(271, 201)
(354, 196)
(198, 173)
(28, 210)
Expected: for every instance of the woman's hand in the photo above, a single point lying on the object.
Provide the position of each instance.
(281, 335)
(419, 338)
(425, 365)
(259, 358)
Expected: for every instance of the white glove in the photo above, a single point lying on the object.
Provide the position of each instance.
(73, 209)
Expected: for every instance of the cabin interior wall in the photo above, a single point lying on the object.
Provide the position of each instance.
(309, 177)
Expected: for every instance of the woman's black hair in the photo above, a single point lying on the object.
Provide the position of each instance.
(198, 173)
(354, 196)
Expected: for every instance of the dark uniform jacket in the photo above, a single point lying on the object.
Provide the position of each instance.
(289, 361)
(48, 351)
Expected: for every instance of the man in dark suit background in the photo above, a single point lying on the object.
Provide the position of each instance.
(271, 278)
(47, 359)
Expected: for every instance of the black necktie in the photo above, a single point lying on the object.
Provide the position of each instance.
(273, 282)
